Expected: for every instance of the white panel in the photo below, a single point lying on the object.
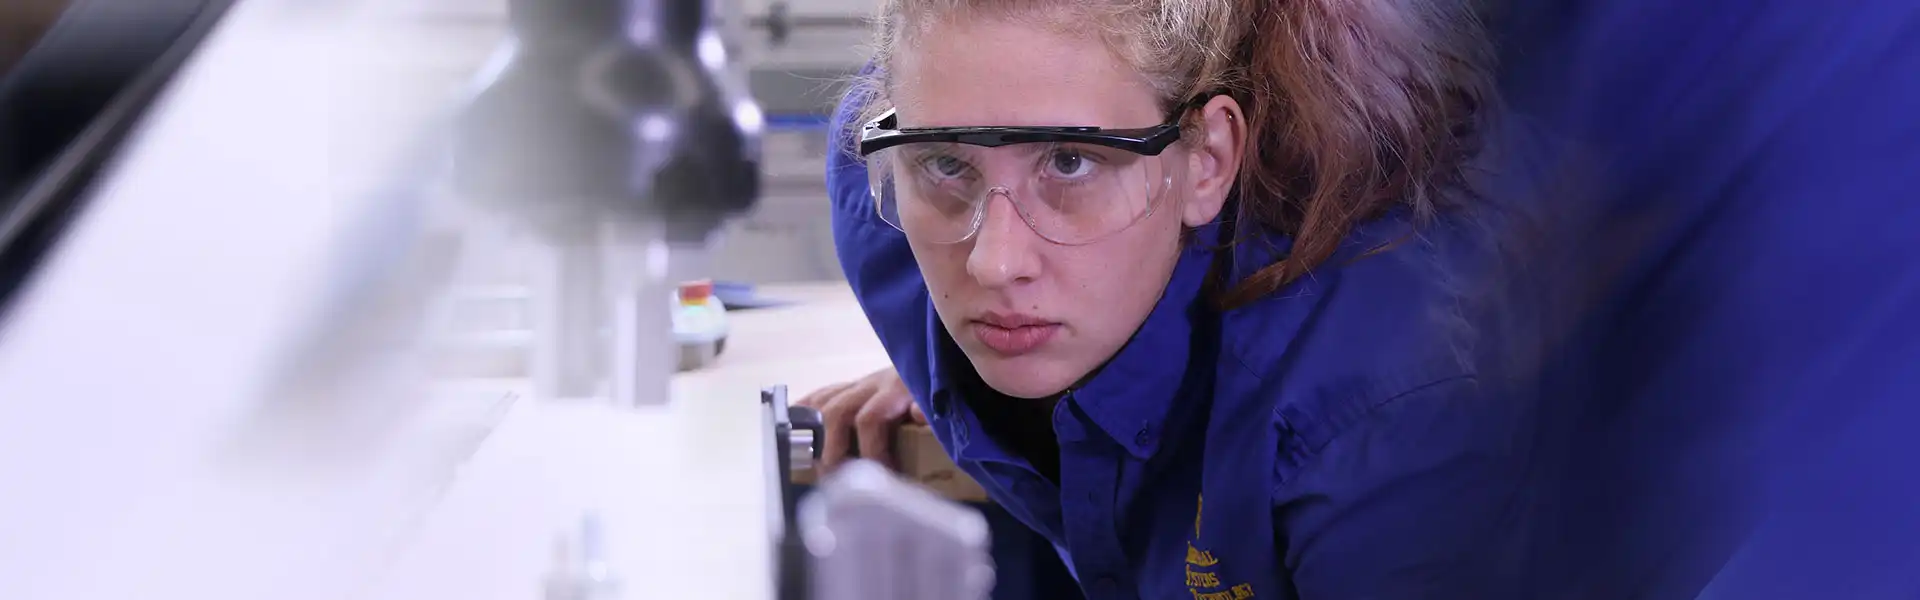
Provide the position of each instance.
(146, 452)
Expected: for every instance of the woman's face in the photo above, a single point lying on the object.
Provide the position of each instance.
(1034, 317)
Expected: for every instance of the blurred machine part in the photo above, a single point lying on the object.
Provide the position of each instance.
(610, 129)
(799, 56)
(699, 324)
(213, 372)
(65, 65)
(580, 570)
(786, 236)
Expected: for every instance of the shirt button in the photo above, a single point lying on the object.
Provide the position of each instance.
(1144, 438)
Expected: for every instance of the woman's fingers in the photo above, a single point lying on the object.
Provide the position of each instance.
(836, 417)
(914, 413)
(875, 423)
(861, 416)
(818, 398)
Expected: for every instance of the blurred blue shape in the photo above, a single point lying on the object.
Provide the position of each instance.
(797, 121)
(1736, 383)
(737, 295)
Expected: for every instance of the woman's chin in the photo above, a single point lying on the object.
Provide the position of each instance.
(1022, 377)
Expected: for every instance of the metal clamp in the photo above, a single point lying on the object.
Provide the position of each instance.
(797, 431)
(800, 428)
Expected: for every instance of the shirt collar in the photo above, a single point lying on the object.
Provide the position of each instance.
(1130, 397)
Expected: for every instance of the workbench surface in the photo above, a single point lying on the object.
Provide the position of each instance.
(690, 519)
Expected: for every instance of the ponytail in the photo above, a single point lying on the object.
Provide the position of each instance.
(1354, 108)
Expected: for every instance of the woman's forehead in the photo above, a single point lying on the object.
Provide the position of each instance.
(1007, 73)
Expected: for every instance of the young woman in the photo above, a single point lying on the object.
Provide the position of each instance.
(1182, 284)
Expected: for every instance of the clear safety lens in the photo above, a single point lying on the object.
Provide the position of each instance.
(1068, 193)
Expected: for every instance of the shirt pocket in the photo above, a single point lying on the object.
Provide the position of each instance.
(1306, 423)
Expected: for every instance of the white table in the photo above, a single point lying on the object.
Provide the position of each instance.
(681, 489)
(821, 339)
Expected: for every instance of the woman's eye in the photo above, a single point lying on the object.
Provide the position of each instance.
(1069, 164)
(946, 166)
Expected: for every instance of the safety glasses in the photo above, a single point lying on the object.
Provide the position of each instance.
(1071, 185)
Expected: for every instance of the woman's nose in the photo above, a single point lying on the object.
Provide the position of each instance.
(1004, 250)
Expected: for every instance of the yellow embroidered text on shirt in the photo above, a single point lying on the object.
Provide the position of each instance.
(1202, 581)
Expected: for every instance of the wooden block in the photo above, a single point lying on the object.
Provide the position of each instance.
(923, 461)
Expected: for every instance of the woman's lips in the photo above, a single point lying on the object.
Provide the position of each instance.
(1013, 340)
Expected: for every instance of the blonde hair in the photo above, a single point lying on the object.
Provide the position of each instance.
(1354, 107)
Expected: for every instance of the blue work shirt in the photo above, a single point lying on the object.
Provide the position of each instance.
(1332, 441)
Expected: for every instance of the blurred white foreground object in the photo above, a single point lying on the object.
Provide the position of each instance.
(873, 536)
(211, 389)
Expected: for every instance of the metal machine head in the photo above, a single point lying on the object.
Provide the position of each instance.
(612, 109)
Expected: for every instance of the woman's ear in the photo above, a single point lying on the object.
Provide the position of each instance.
(1214, 159)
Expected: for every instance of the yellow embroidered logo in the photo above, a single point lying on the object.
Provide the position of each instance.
(1202, 580)
(1200, 558)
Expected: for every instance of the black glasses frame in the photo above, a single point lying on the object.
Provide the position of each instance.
(884, 132)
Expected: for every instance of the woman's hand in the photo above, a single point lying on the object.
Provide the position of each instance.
(871, 408)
